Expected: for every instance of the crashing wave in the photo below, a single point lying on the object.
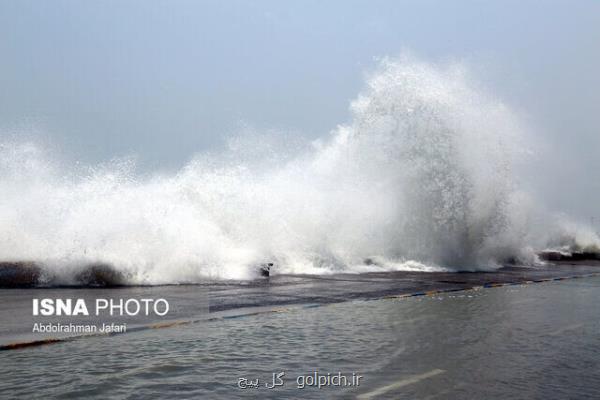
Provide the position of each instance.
(420, 178)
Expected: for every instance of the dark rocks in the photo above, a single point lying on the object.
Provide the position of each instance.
(24, 274)
(553, 255)
(100, 275)
(19, 274)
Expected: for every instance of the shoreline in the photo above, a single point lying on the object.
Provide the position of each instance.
(291, 292)
(31, 274)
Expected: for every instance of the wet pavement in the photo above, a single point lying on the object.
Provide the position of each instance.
(227, 299)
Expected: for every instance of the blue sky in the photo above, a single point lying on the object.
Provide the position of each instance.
(166, 79)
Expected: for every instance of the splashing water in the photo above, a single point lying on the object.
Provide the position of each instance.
(421, 178)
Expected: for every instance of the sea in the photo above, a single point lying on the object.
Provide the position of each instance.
(530, 341)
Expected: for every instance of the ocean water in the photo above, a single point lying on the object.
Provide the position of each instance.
(424, 176)
(539, 341)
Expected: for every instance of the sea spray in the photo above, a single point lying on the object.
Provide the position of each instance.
(421, 178)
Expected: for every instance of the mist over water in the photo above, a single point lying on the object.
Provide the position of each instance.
(422, 177)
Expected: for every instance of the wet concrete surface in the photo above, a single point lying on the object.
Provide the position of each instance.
(214, 300)
(302, 289)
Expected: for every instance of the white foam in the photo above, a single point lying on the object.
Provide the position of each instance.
(420, 179)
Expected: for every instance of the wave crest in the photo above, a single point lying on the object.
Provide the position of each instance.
(421, 178)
